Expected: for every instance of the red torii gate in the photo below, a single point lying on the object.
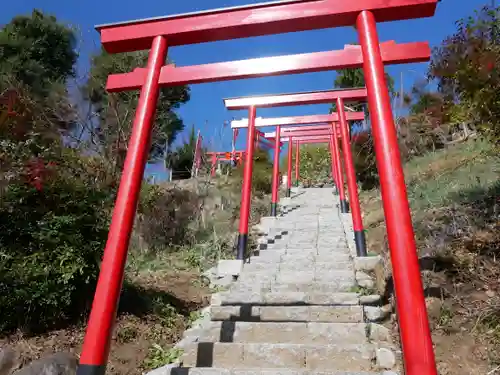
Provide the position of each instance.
(297, 120)
(325, 96)
(296, 134)
(247, 21)
(339, 96)
(357, 138)
(313, 140)
(236, 156)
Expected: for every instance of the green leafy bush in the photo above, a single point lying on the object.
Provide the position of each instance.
(262, 173)
(165, 215)
(51, 243)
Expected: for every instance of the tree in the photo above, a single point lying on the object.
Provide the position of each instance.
(37, 51)
(466, 67)
(363, 154)
(37, 57)
(116, 111)
(181, 160)
(351, 78)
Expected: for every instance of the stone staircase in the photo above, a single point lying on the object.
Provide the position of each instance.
(296, 307)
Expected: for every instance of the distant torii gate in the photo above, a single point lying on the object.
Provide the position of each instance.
(338, 96)
(309, 98)
(236, 157)
(296, 134)
(254, 20)
(314, 140)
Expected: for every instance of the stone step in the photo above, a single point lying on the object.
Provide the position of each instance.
(348, 357)
(299, 277)
(286, 333)
(283, 257)
(262, 285)
(325, 314)
(288, 298)
(296, 266)
(341, 286)
(255, 371)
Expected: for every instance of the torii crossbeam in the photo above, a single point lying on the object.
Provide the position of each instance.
(255, 20)
(297, 120)
(349, 57)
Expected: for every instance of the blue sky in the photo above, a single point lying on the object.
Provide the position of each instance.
(206, 110)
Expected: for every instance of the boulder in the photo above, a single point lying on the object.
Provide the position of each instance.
(56, 364)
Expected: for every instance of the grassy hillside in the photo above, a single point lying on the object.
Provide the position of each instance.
(455, 200)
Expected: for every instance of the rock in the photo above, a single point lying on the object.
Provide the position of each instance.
(8, 359)
(387, 309)
(56, 364)
(433, 305)
(368, 284)
(490, 293)
(229, 267)
(367, 263)
(380, 333)
(372, 299)
(360, 275)
(215, 299)
(167, 370)
(385, 358)
(375, 314)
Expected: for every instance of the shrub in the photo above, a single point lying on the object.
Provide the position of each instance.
(165, 215)
(51, 243)
(262, 173)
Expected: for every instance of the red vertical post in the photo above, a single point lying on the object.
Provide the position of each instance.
(334, 169)
(246, 193)
(338, 166)
(297, 163)
(352, 186)
(412, 314)
(276, 172)
(213, 164)
(96, 344)
(289, 174)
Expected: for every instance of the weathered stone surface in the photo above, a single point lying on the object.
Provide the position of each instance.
(385, 359)
(229, 267)
(346, 358)
(56, 364)
(379, 333)
(372, 299)
(369, 284)
(8, 360)
(321, 286)
(360, 275)
(375, 314)
(286, 333)
(172, 369)
(367, 263)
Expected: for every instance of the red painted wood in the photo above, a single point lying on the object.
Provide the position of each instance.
(350, 57)
(316, 97)
(255, 20)
(299, 120)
